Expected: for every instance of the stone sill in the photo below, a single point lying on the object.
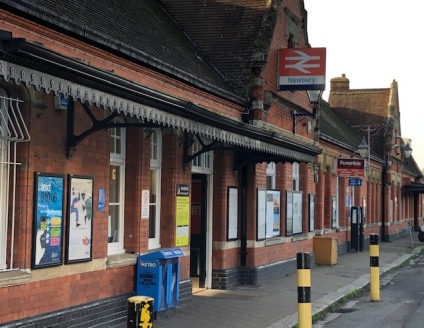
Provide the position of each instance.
(14, 278)
(20, 277)
(121, 260)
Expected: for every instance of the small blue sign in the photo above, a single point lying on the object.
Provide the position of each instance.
(61, 102)
(102, 199)
(355, 182)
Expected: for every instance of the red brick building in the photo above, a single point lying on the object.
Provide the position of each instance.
(128, 129)
(391, 198)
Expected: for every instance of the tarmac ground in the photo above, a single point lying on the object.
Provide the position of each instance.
(274, 305)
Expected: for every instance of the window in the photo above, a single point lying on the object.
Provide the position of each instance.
(202, 163)
(12, 131)
(116, 191)
(155, 190)
(270, 175)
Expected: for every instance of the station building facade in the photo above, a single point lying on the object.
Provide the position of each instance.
(128, 133)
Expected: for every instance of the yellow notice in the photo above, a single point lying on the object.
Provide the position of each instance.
(182, 216)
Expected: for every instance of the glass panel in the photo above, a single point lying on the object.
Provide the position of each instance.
(118, 149)
(153, 203)
(113, 141)
(114, 184)
(194, 149)
(114, 205)
(269, 182)
(207, 160)
(152, 221)
(154, 146)
(115, 145)
(113, 228)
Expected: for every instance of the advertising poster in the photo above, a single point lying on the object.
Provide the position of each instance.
(297, 212)
(289, 213)
(48, 220)
(268, 213)
(261, 214)
(182, 215)
(232, 215)
(80, 219)
(311, 212)
(272, 213)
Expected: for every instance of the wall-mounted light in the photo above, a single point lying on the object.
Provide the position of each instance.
(315, 168)
(407, 150)
(363, 148)
(314, 98)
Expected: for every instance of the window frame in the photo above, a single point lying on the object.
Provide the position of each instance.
(156, 166)
(271, 169)
(118, 159)
(203, 163)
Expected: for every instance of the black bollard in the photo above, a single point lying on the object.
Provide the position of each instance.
(140, 312)
(374, 268)
(304, 290)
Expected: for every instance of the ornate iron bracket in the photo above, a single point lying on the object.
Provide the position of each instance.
(73, 140)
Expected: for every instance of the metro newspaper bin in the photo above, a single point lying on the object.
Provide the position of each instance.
(158, 276)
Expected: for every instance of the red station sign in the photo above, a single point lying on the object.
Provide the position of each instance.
(350, 167)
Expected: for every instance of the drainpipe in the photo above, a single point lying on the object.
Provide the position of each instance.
(416, 219)
(243, 225)
(383, 201)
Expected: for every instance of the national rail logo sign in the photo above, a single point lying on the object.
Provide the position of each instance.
(301, 69)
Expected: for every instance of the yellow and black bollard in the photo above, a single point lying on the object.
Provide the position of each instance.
(304, 290)
(140, 312)
(374, 268)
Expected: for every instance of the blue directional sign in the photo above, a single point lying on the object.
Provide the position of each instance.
(355, 182)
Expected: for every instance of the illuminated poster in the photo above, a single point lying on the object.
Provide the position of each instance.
(182, 215)
(48, 221)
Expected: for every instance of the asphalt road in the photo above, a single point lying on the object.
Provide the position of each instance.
(401, 303)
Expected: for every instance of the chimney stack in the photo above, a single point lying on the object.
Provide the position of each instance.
(339, 84)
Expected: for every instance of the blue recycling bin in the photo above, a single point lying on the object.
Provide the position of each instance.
(158, 276)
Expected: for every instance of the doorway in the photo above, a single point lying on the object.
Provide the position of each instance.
(198, 237)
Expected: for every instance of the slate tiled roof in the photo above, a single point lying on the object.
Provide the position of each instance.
(230, 32)
(142, 30)
(334, 128)
(365, 108)
(370, 104)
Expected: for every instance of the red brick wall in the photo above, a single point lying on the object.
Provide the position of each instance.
(17, 302)
(224, 177)
(137, 173)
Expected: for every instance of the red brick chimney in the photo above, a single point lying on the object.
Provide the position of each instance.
(339, 84)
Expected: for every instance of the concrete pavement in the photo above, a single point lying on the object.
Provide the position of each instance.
(274, 305)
